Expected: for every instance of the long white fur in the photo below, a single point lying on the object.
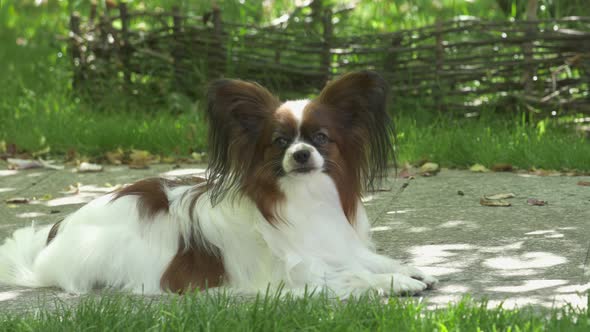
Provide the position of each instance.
(108, 244)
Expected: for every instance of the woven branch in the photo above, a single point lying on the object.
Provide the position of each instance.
(451, 65)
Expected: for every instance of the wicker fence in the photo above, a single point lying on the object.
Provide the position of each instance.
(451, 66)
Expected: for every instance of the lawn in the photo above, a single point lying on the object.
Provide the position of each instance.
(221, 312)
(40, 111)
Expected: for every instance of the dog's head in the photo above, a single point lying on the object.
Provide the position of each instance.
(254, 139)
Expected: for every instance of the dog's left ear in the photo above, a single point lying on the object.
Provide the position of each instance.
(360, 98)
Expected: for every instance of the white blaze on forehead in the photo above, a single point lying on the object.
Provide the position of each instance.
(296, 108)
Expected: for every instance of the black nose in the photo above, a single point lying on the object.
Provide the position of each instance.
(301, 156)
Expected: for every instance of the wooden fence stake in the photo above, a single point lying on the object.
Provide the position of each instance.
(439, 55)
(177, 50)
(217, 49)
(75, 49)
(125, 49)
(326, 58)
(92, 12)
(527, 48)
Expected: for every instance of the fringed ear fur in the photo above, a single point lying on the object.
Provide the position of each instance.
(360, 98)
(237, 112)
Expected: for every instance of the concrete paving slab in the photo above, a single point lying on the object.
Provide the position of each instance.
(520, 254)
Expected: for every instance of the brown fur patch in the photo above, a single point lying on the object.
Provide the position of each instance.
(340, 153)
(243, 118)
(193, 267)
(151, 196)
(262, 183)
(53, 232)
(352, 109)
(198, 265)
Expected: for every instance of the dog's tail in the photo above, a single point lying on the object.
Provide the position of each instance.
(18, 254)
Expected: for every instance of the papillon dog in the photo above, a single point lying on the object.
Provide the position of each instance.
(281, 205)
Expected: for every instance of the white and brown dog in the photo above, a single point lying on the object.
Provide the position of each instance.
(281, 205)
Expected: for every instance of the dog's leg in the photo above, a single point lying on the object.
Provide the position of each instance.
(383, 264)
(357, 283)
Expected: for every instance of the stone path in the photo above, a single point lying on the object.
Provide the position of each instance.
(520, 255)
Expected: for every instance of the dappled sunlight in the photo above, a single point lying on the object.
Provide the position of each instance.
(457, 223)
(529, 260)
(418, 229)
(30, 215)
(380, 228)
(529, 285)
(367, 198)
(438, 301)
(401, 211)
(438, 271)
(515, 302)
(575, 300)
(36, 174)
(184, 172)
(7, 172)
(550, 233)
(81, 194)
(499, 249)
(574, 288)
(80, 198)
(9, 295)
(3, 190)
(454, 288)
(516, 273)
(500, 273)
(91, 189)
(435, 254)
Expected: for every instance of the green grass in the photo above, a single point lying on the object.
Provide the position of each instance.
(39, 108)
(220, 312)
(452, 143)
(461, 143)
(61, 126)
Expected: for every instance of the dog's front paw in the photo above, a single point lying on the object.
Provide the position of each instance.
(400, 284)
(417, 274)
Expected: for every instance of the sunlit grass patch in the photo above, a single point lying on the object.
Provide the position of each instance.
(271, 312)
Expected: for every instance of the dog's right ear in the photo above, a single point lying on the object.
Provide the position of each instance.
(239, 103)
(237, 112)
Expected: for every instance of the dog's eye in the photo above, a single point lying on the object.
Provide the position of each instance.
(320, 138)
(281, 142)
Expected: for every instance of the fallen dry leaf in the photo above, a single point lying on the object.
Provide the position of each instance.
(18, 200)
(14, 163)
(168, 160)
(429, 169)
(139, 159)
(46, 197)
(71, 155)
(72, 189)
(544, 172)
(41, 152)
(49, 164)
(115, 157)
(89, 168)
(537, 202)
(199, 157)
(502, 167)
(584, 183)
(405, 173)
(493, 202)
(499, 196)
(478, 168)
